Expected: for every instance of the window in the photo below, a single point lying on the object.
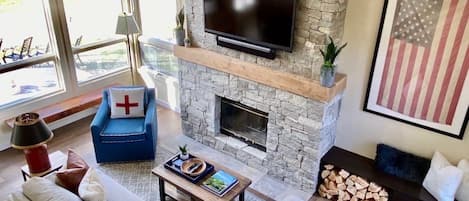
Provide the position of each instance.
(35, 59)
(159, 59)
(158, 18)
(25, 41)
(91, 24)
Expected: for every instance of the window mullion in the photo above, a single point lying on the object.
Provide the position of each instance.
(63, 46)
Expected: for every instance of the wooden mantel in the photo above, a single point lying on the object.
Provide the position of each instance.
(255, 72)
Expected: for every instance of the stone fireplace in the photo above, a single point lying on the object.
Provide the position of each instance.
(299, 130)
(300, 125)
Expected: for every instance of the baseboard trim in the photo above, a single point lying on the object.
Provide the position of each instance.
(167, 105)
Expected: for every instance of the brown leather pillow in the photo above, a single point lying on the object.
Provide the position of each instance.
(71, 177)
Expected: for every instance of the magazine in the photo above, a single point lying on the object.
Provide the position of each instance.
(220, 183)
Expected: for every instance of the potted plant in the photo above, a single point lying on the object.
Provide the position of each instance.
(327, 76)
(184, 155)
(179, 31)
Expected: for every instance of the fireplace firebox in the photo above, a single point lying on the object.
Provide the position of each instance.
(244, 123)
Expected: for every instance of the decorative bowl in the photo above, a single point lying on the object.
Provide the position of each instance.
(193, 167)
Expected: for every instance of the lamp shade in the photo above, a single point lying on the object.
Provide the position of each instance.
(29, 131)
(126, 24)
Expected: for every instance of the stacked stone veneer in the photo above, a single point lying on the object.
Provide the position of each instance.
(299, 131)
(315, 20)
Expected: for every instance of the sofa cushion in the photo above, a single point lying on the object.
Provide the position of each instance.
(123, 130)
(127, 102)
(401, 164)
(463, 191)
(40, 189)
(443, 179)
(17, 196)
(91, 188)
(71, 176)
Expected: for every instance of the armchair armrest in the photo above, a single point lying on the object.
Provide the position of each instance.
(101, 117)
(150, 115)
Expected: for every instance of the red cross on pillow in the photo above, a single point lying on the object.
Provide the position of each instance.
(127, 102)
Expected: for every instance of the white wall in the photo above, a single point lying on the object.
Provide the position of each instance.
(359, 131)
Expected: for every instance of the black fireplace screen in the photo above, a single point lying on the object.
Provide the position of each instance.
(243, 122)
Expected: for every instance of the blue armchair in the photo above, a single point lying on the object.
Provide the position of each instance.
(126, 139)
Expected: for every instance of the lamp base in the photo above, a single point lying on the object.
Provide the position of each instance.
(37, 159)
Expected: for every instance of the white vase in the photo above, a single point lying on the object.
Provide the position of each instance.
(184, 156)
(327, 77)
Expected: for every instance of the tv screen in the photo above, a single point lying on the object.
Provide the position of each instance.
(267, 23)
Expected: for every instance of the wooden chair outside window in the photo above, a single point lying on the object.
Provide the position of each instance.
(20, 53)
(77, 44)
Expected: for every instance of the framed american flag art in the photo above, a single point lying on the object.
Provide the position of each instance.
(420, 68)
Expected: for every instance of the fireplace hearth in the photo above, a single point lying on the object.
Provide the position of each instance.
(244, 123)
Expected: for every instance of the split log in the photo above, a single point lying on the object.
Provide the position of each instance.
(352, 190)
(332, 176)
(347, 196)
(374, 187)
(383, 193)
(376, 196)
(329, 167)
(332, 186)
(361, 194)
(341, 186)
(322, 188)
(369, 195)
(339, 180)
(322, 194)
(349, 182)
(383, 198)
(344, 173)
(362, 182)
(325, 173)
(359, 186)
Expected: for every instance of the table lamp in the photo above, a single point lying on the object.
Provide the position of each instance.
(31, 134)
(126, 25)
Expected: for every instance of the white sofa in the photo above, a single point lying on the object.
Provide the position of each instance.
(113, 190)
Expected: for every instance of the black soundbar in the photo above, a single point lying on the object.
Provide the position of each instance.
(257, 50)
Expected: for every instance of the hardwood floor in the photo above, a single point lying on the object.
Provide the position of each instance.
(75, 136)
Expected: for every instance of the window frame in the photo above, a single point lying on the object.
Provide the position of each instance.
(63, 58)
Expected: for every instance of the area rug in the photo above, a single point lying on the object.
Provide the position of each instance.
(137, 176)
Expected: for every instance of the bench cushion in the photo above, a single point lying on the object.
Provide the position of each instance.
(401, 164)
(124, 130)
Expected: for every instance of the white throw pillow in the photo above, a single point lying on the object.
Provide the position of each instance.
(40, 189)
(127, 102)
(463, 192)
(443, 179)
(91, 188)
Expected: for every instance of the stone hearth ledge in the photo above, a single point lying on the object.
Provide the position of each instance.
(281, 80)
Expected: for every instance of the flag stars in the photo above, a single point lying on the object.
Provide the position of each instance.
(414, 20)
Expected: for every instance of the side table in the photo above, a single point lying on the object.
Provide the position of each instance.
(57, 160)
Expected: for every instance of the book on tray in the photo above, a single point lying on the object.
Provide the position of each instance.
(220, 183)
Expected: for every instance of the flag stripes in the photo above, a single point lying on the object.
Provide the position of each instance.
(425, 80)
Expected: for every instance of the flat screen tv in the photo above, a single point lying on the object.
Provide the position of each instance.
(268, 23)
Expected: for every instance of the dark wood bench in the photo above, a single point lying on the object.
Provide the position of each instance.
(398, 189)
(68, 107)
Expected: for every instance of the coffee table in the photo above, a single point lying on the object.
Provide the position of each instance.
(195, 191)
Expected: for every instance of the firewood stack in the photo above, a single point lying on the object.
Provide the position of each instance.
(341, 185)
